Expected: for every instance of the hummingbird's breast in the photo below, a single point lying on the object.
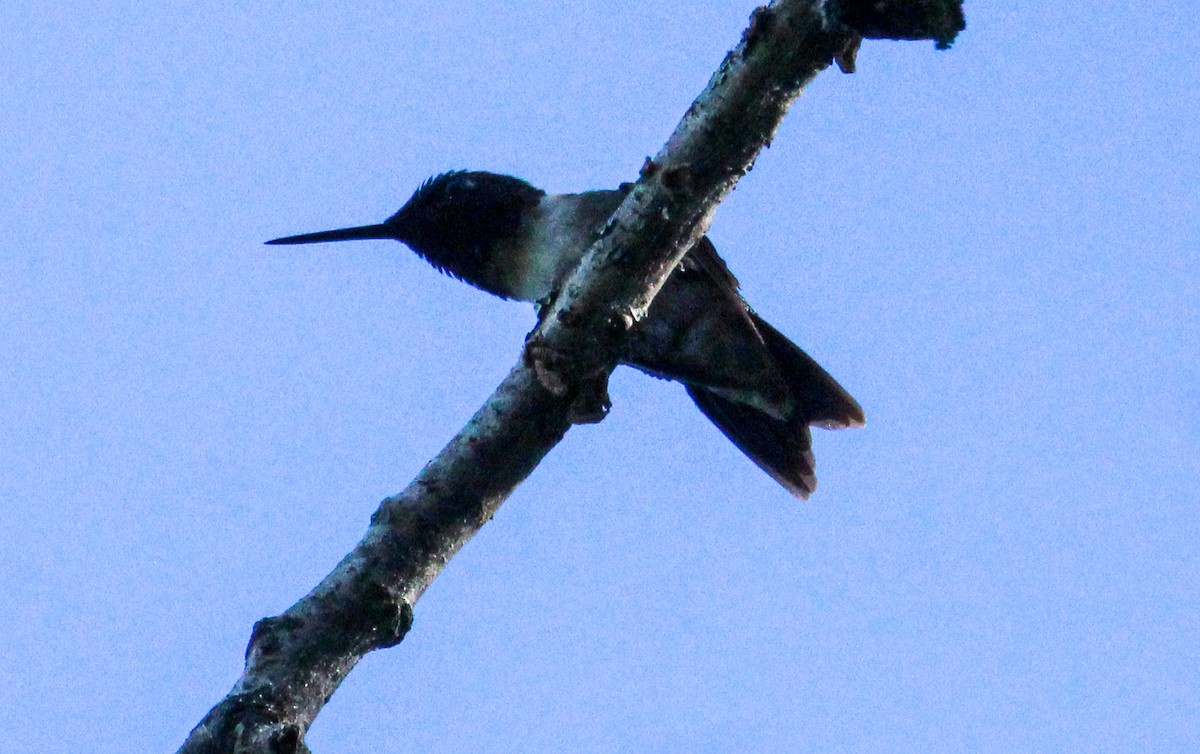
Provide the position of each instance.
(550, 242)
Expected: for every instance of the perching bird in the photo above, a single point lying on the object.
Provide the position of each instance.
(513, 240)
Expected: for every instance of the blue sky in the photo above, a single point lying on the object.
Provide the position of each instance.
(993, 248)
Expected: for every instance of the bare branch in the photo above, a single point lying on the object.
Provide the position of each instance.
(296, 660)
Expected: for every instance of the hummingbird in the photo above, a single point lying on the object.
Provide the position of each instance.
(513, 240)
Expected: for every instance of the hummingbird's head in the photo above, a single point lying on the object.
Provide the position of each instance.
(456, 221)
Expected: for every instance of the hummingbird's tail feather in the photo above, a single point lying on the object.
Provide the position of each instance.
(783, 447)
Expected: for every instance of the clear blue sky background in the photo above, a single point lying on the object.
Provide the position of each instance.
(994, 248)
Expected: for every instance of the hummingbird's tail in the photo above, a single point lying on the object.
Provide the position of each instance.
(783, 447)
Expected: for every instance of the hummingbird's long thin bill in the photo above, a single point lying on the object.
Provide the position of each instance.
(359, 233)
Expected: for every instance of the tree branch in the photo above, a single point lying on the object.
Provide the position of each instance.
(295, 661)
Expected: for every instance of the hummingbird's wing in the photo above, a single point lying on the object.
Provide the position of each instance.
(822, 401)
(780, 391)
(760, 389)
(703, 258)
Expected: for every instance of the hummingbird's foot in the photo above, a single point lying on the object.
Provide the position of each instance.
(847, 59)
(559, 374)
(591, 402)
